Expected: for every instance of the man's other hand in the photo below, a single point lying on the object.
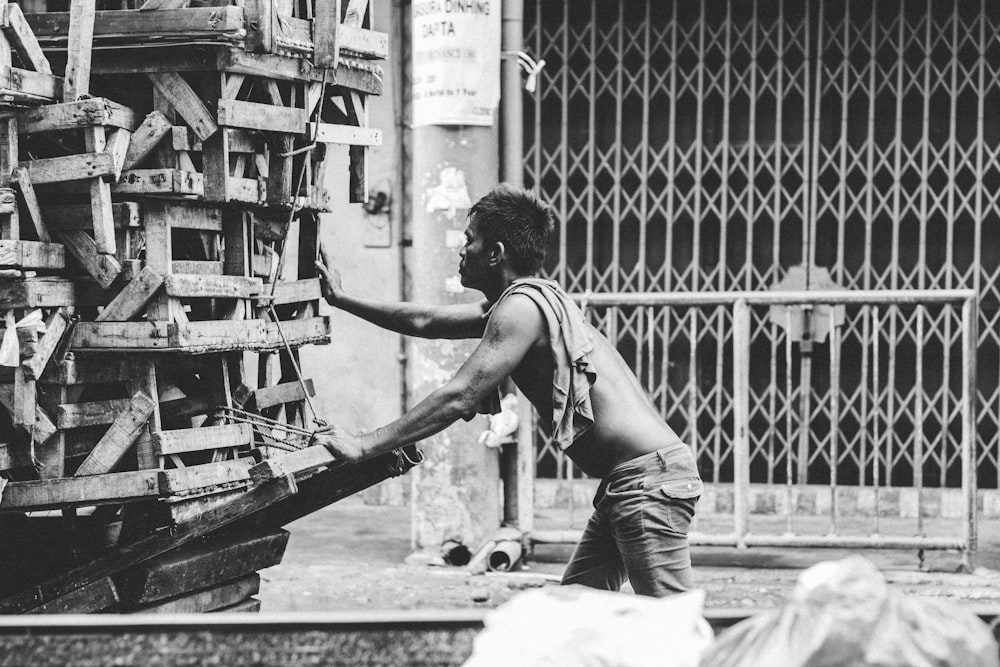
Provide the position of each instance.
(330, 283)
(341, 444)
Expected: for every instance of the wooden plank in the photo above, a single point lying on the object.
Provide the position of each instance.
(89, 413)
(251, 606)
(77, 216)
(259, 21)
(198, 267)
(286, 392)
(131, 301)
(370, 44)
(205, 478)
(240, 141)
(52, 27)
(202, 286)
(69, 168)
(41, 430)
(32, 255)
(79, 114)
(247, 505)
(81, 36)
(27, 87)
(200, 439)
(146, 137)
(118, 143)
(120, 436)
(160, 181)
(162, 5)
(101, 214)
(185, 102)
(25, 396)
(55, 327)
(219, 559)
(263, 117)
(314, 330)
(192, 337)
(90, 598)
(297, 291)
(201, 218)
(37, 293)
(331, 133)
(210, 599)
(103, 268)
(29, 198)
(119, 487)
(22, 39)
(77, 370)
(325, 34)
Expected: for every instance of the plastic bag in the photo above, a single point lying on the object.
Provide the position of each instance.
(844, 613)
(9, 347)
(572, 625)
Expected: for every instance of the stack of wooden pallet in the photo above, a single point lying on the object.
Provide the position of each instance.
(159, 220)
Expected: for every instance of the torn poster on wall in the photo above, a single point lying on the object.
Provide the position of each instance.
(456, 61)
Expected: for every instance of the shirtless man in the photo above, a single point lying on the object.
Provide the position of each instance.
(580, 385)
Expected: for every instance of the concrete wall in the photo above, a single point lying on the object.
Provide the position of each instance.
(358, 376)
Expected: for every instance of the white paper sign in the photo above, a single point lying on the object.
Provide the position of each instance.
(456, 61)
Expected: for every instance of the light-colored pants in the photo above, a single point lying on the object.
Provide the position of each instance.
(639, 528)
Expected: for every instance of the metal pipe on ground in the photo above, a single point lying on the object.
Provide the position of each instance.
(506, 551)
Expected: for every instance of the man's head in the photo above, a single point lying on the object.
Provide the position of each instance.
(515, 222)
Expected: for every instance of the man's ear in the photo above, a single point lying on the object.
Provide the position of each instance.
(497, 253)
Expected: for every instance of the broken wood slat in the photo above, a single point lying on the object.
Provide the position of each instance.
(103, 268)
(314, 330)
(245, 506)
(240, 140)
(32, 255)
(199, 439)
(112, 488)
(41, 430)
(286, 392)
(69, 168)
(204, 22)
(350, 135)
(25, 397)
(205, 478)
(221, 287)
(76, 217)
(210, 599)
(37, 293)
(186, 508)
(21, 37)
(133, 298)
(297, 291)
(55, 327)
(117, 147)
(89, 413)
(298, 463)
(219, 559)
(21, 178)
(93, 597)
(23, 86)
(146, 137)
(120, 436)
(79, 47)
(73, 115)
(197, 267)
(185, 102)
(160, 181)
(263, 117)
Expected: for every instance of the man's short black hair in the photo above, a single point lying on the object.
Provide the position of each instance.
(520, 220)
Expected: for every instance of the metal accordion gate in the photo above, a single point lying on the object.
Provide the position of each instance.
(754, 145)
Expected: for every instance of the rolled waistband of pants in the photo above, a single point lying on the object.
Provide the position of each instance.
(664, 456)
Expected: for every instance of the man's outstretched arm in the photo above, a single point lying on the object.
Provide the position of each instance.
(513, 329)
(464, 320)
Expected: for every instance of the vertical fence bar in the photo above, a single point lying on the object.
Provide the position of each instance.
(970, 336)
(789, 417)
(918, 443)
(741, 420)
(834, 415)
(876, 435)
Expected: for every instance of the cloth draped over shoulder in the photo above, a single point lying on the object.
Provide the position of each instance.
(571, 344)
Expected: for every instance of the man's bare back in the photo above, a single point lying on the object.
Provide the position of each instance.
(625, 426)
